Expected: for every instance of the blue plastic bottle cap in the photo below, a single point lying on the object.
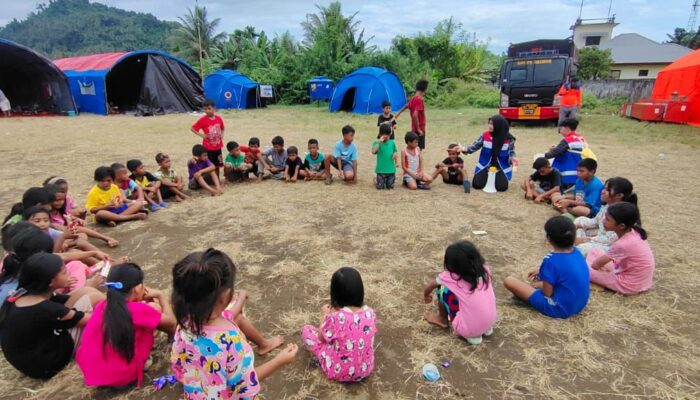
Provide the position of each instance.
(430, 372)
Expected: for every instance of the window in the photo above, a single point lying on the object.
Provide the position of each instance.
(518, 74)
(643, 72)
(592, 40)
(615, 74)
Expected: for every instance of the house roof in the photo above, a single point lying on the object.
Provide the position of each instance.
(632, 48)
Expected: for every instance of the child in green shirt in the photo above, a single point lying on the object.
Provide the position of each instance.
(387, 158)
(235, 169)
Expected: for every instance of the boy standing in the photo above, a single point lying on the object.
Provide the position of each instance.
(544, 184)
(344, 158)
(387, 158)
(313, 163)
(416, 107)
(149, 183)
(273, 160)
(235, 167)
(452, 168)
(202, 172)
(585, 201)
(211, 129)
(171, 182)
(293, 165)
(386, 118)
(413, 176)
(567, 153)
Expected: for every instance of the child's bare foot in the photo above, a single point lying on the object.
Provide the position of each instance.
(111, 224)
(435, 319)
(140, 215)
(112, 243)
(270, 344)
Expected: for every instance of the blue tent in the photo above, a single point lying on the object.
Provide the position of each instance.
(148, 82)
(33, 84)
(231, 89)
(364, 90)
(320, 88)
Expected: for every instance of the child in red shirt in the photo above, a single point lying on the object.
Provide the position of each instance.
(211, 129)
(416, 108)
(252, 156)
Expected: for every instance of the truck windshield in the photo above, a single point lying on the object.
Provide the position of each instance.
(537, 72)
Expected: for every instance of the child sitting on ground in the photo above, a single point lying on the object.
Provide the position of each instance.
(344, 342)
(131, 190)
(314, 169)
(38, 328)
(235, 167)
(465, 294)
(40, 217)
(252, 157)
(171, 182)
(387, 158)
(451, 169)
(386, 118)
(210, 127)
(591, 232)
(149, 184)
(202, 172)
(293, 165)
(273, 160)
(70, 207)
(210, 334)
(585, 200)
(412, 164)
(568, 153)
(628, 266)
(107, 203)
(560, 286)
(344, 158)
(118, 339)
(544, 183)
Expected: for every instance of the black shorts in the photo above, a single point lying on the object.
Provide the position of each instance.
(452, 179)
(166, 192)
(215, 156)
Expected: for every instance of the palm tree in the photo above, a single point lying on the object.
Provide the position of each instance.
(196, 36)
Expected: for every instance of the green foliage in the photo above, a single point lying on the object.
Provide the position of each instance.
(594, 105)
(76, 27)
(594, 63)
(196, 36)
(684, 38)
(456, 93)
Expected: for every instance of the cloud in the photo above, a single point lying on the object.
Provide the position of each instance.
(498, 22)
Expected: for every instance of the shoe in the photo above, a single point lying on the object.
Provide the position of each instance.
(474, 340)
(423, 186)
(154, 207)
(489, 332)
(329, 180)
(163, 204)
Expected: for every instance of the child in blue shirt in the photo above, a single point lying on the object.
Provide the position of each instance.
(560, 286)
(344, 158)
(585, 200)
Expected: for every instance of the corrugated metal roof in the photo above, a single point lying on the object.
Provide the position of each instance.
(632, 48)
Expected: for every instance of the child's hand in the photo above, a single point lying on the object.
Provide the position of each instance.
(539, 199)
(515, 162)
(340, 174)
(150, 294)
(95, 281)
(532, 274)
(102, 256)
(288, 354)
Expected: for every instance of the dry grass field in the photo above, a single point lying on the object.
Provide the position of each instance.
(287, 240)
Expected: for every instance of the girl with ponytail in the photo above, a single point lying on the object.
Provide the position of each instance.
(118, 340)
(591, 233)
(628, 266)
(39, 329)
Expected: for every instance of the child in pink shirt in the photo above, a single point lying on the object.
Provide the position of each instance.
(465, 294)
(118, 339)
(628, 266)
(344, 343)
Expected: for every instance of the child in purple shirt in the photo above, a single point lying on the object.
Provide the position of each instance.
(202, 172)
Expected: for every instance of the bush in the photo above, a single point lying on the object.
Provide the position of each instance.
(456, 93)
(594, 105)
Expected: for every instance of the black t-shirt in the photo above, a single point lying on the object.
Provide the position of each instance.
(147, 175)
(382, 119)
(458, 164)
(293, 165)
(547, 182)
(35, 340)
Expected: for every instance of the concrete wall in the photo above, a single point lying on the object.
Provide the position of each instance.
(631, 71)
(581, 31)
(635, 89)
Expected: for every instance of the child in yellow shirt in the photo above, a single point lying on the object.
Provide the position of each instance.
(107, 203)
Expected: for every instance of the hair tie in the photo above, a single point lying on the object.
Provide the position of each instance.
(16, 294)
(55, 179)
(114, 285)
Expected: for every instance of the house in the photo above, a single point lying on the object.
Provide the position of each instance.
(634, 56)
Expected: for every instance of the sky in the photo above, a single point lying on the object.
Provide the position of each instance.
(498, 22)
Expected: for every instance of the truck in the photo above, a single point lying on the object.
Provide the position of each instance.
(531, 77)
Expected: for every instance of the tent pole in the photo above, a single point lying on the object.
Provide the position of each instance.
(369, 99)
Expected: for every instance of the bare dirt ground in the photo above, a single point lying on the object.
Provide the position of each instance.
(287, 239)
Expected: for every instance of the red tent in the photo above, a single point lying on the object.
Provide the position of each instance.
(681, 81)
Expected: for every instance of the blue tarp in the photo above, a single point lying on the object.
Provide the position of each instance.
(232, 90)
(320, 88)
(364, 90)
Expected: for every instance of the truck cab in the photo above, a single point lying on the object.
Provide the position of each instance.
(531, 77)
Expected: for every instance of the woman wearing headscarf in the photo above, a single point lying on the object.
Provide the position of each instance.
(497, 147)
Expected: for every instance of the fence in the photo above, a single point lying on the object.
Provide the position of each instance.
(634, 89)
